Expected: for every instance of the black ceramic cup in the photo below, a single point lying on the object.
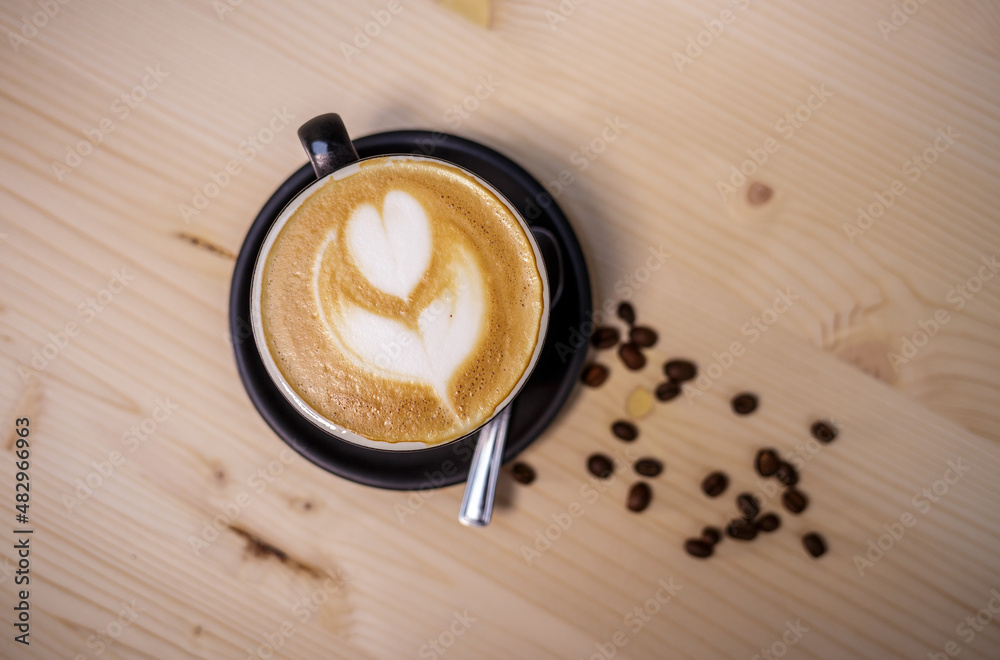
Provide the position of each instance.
(560, 356)
(333, 156)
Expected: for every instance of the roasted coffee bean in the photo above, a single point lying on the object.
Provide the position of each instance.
(639, 496)
(741, 529)
(648, 467)
(767, 462)
(748, 505)
(667, 391)
(600, 465)
(787, 474)
(605, 337)
(698, 548)
(594, 374)
(794, 501)
(824, 431)
(814, 544)
(625, 431)
(715, 484)
(523, 473)
(626, 313)
(632, 356)
(744, 404)
(711, 535)
(768, 522)
(680, 371)
(643, 336)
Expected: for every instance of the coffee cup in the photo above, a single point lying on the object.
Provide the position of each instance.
(400, 302)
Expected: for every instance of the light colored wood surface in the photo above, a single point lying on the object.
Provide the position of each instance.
(550, 86)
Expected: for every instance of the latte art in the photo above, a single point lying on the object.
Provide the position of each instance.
(403, 301)
(392, 250)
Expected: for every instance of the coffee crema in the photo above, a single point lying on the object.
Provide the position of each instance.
(402, 301)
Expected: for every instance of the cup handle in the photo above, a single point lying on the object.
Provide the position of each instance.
(326, 141)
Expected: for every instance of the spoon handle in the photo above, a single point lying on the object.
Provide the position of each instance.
(477, 503)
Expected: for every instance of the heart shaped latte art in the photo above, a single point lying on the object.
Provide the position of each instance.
(393, 251)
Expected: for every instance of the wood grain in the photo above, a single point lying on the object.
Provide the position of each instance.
(594, 92)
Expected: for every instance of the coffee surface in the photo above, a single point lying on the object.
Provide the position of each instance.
(403, 301)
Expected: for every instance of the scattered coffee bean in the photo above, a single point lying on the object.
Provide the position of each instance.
(787, 474)
(768, 522)
(600, 465)
(632, 356)
(626, 313)
(744, 404)
(711, 535)
(715, 484)
(680, 371)
(758, 193)
(523, 473)
(824, 431)
(643, 336)
(594, 374)
(605, 337)
(639, 496)
(741, 529)
(698, 548)
(767, 462)
(748, 505)
(648, 467)
(625, 431)
(794, 501)
(667, 391)
(814, 544)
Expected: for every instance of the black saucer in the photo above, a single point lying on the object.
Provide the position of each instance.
(556, 372)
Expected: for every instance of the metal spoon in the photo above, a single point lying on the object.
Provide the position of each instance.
(480, 489)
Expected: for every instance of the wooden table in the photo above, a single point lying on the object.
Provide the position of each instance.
(141, 138)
